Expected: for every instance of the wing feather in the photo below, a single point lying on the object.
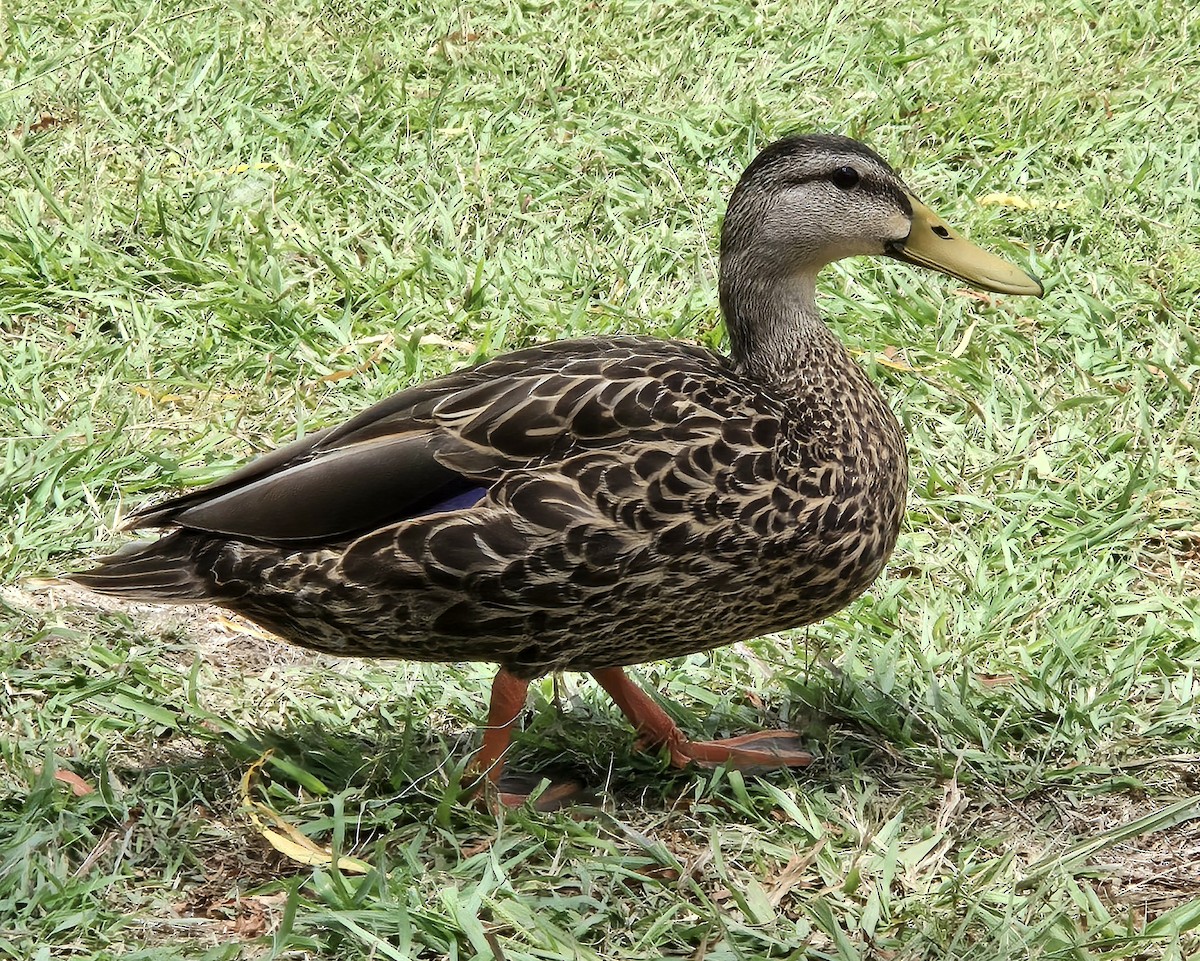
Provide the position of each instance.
(532, 412)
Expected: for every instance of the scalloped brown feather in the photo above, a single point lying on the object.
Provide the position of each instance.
(644, 501)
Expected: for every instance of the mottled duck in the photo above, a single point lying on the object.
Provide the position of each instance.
(590, 504)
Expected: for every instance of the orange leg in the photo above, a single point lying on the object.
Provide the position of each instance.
(750, 752)
(507, 703)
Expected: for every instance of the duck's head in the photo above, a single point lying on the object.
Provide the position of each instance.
(809, 200)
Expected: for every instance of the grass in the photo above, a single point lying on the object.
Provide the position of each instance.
(225, 225)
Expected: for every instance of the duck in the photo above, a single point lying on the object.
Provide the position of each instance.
(590, 504)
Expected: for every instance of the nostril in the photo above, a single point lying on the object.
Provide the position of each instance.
(942, 232)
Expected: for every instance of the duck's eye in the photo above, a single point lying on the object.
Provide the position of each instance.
(845, 178)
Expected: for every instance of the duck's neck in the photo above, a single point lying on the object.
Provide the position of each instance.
(776, 333)
(779, 340)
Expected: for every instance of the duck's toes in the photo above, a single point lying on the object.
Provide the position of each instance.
(762, 751)
(515, 790)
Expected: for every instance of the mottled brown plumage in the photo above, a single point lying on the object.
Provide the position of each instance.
(589, 504)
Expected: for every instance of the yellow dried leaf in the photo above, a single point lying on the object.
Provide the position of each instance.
(884, 360)
(285, 838)
(382, 345)
(1005, 200)
(157, 398)
(888, 358)
(437, 340)
(291, 843)
(246, 628)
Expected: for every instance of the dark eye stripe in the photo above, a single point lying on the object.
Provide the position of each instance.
(868, 184)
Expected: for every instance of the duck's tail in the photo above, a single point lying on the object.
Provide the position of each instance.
(161, 570)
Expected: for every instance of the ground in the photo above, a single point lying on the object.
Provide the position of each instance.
(224, 225)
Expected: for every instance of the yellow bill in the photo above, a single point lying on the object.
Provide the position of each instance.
(933, 243)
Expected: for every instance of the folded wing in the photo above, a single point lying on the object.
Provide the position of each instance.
(442, 445)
